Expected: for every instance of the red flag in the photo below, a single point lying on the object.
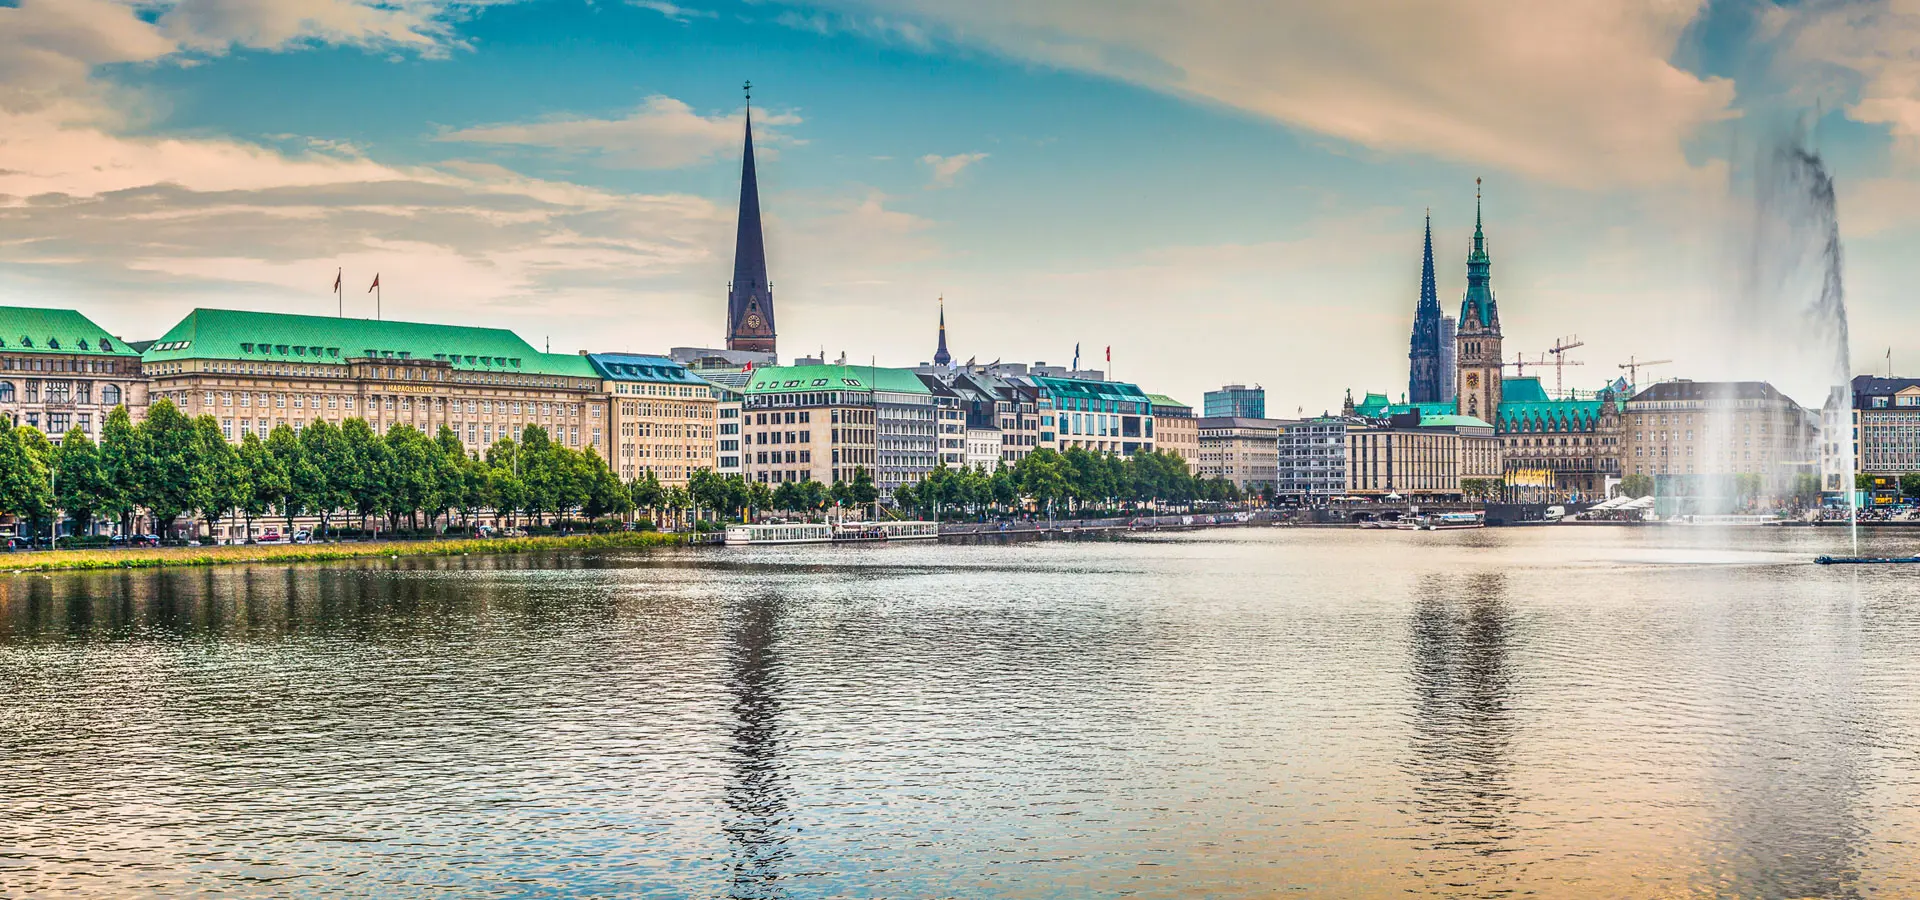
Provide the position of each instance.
(375, 284)
(336, 282)
(1109, 354)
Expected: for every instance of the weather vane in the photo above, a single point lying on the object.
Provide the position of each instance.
(747, 89)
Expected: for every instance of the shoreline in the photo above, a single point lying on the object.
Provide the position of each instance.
(187, 557)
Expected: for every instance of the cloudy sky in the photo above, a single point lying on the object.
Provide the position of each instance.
(1221, 190)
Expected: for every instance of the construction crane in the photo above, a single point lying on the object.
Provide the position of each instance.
(1560, 361)
(1633, 367)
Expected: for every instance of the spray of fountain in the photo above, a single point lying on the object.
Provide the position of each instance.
(1789, 317)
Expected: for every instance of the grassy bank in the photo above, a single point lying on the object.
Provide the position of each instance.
(73, 560)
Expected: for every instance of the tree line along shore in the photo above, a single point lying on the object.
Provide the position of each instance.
(169, 466)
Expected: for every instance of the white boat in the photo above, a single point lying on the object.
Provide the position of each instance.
(796, 533)
(1451, 521)
(810, 533)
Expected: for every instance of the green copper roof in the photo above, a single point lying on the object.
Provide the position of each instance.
(787, 379)
(1159, 400)
(1092, 390)
(34, 330)
(228, 334)
(1377, 406)
(1448, 420)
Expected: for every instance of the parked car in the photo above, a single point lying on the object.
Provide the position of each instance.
(146, 540)
(303, 536)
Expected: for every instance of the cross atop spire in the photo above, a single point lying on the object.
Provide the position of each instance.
(1479, 302)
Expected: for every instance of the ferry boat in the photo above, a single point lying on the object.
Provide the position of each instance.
(858, 533)
(1452, 521)
(796, 533)
(812, 533)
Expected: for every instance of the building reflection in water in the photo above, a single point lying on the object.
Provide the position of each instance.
(1460, 756)
(756, 785)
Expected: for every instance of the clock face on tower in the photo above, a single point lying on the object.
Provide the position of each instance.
(1473, 378)
(754, 320)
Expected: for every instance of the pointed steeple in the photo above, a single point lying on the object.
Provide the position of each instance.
(1429, 289)
(750, 297)
(941, 357)
(1479, 302)
(1424, 378)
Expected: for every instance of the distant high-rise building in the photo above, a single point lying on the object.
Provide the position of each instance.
(1236, 401)
(1449, 357)
(750, 296)
(1424, 355)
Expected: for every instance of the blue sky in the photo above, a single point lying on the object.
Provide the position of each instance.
(1222, 191)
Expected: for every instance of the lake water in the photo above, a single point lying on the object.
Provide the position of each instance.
(1563, 711)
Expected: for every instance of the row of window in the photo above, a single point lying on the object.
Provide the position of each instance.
(34, 390)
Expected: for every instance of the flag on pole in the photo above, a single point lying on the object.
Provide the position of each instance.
(1109, 354)
(375, 284)
(337, 273)
(1076, 356)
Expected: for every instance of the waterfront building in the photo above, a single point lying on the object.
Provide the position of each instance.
(985, 446)
(726, 432)
(750, 294)
(661, 417)
(59, 371)
(950, 423)
(1100, 416)
(1477, 339)
(1684, 427)
(1312, 459)
(1884, 422)
(1235, 401)
(819, 423)
(255, 371)
(1008, 405)
(906, 429)
(1572, 444)
(1420, 457)
(1175, 429)
(1424, 357)
(1240, 449)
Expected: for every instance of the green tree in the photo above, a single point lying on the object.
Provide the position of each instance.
(163, 469)
(606, 496)
(120, 454)
(1637, 486)
(217, 478)
(319, 469)
(363, 469)
(760, 497)
(80, 480)
(25, 474)
(647, 493)
(268, 480)
(1910, 485)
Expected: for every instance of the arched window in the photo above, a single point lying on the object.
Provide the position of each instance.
(6, 392)
(109, 395)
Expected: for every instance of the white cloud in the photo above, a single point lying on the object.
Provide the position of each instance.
(1579, 92)
(673, 11)
(663, 133)
(1878, 44)
(947, 168)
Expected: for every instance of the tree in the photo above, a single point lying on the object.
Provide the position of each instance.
(319, 469)
(163, 469)
(760, 497)
(605, 494)
(268, 480)
(1637, 486)
(25, 473)
(218, 482)
(119, 464)
(787, 496)
(1910, 485)
(864, 491)
(80, 480)
(646, 492)
(363, 468)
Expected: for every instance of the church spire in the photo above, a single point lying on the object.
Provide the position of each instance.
(750, 297)
(941, 357)
(1424, 378)
(1429, 289)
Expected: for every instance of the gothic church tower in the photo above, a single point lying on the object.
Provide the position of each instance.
(1424, 353)
(1477, 336)
(750, 296)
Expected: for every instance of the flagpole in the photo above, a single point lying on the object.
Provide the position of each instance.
(376, 301)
